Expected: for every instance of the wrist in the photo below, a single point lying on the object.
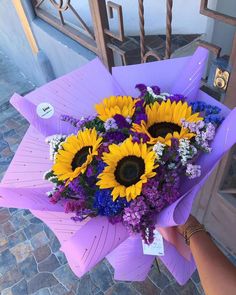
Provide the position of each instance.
(192, 221)
(193, 230)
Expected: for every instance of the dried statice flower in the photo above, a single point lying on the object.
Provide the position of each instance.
(186, 150)
(110, 124)
(193, 171)
(54, 142)
(159, 148)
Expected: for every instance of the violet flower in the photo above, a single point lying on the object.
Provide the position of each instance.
(121, 121)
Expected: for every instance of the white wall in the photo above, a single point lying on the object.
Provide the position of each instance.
(186, 16)
(223, 33)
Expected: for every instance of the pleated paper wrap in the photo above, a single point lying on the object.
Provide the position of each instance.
(87, 243)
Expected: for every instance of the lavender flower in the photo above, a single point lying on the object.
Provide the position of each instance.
(69, 119)
(195, 127)
(110, 124)
(193, 171)
(210, 131)
(138, 218)
(134, 213)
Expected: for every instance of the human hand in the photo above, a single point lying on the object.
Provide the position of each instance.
(192, 221)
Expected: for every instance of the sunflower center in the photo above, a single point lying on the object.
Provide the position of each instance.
(162, 129)
(129, 170)
(80, 157)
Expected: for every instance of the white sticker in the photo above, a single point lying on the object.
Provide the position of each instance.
(157, 246)
(45, 110)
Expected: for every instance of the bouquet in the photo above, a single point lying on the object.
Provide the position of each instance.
(126, 161)
(123, 162)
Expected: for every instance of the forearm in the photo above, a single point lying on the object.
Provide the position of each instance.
(217, 274)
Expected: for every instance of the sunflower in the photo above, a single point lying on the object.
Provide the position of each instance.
(129, 166)
(75, 154)
(122, 105)
(164, 121)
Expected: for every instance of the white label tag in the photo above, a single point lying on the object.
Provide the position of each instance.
(45, 110)
(157, 246)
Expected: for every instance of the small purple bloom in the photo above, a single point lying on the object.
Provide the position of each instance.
(142, 88)
(177, 97)
(139, 137)
(121, 121)
(140, 117)
(115, 136)
(89, 172)
(140, 104)
(74, 205)
(156, 90)
(193, 171)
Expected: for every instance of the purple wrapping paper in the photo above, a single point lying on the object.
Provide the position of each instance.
(87, 243)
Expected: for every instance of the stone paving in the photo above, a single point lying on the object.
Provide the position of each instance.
(30, 258)
(31, 263)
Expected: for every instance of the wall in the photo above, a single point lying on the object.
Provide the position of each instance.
(223, 33)
(58, 54)
(14, 43)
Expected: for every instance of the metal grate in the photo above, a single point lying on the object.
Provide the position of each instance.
(65, 15)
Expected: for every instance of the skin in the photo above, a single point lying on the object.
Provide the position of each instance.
(217, 273)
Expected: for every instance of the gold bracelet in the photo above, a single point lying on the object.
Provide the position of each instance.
(191, 230)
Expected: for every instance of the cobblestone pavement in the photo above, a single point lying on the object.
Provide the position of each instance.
(30, 259)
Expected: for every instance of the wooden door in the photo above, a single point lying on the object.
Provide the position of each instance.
(216, 204)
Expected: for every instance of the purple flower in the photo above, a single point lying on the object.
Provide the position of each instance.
(74, 205)
(140, 105)
(115, 136)
(69, 119)
(139, 218)
(121, 121)
(156, 90)
(134, 213)
(177, 97)
(82, 214)
(142, 88)
(193, 171)
(139, 137)
(210, 131)
(105, 205)
(139, 117)
(110, 124)
(103, 149)
(89, 171)
(57, 195)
